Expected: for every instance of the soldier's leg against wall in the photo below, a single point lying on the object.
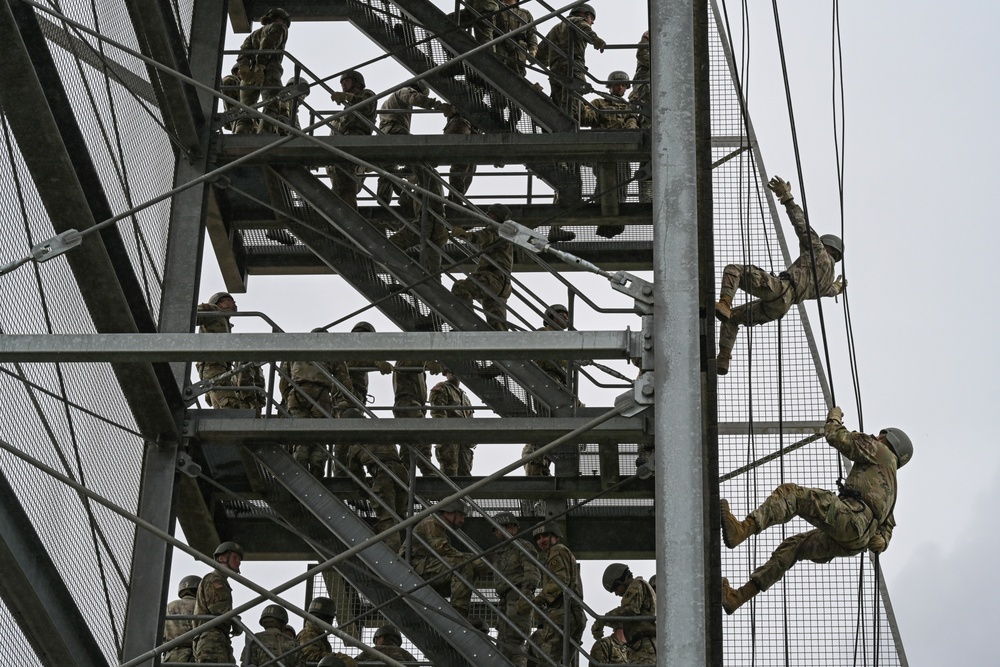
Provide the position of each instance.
(817, 506)
(447, 456)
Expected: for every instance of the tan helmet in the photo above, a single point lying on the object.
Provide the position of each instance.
(547, 529)
(219, 296)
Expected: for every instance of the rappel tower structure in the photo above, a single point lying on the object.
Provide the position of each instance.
(117, 167)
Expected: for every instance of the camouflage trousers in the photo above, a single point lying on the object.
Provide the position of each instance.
(642, 651)
(511, 634)
(412, 236)
(489, 287)
(179, 654)
(412, 409)
(213, 646)
(550, 641)
(395, 500)
(455, 460)
(268, 92)
(774, 297)
(223, 399)
(564, 98)
(609, 651)
(346, 182)
(458, 591)
(843, 528)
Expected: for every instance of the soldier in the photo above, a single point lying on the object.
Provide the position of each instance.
(490, 281)
(396, 114)
(388, 640)
(561, 573)
(428, 224)
(610, 650)
(859, 517)
(337, 660)
(638, 599)
(459, 175)
(311, 395)
(564, 50)
(556, 318)
(174, 628)
(409, 384)
(641, 93)
(434, 554)
(312, 638)
(382, 462)
(272, 642)
(514, 52)
(809, 277)
(261, 73)
(250, 379)
(359, 377)
(449, 401)
(215, 598)
(618, 83)
(521, 571)
(230, 87)
(360, 121)
(289, 104)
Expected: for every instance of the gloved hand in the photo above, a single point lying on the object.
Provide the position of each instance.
(257, 78)
(434, 367)
(459, 232)
(781, 189)
(599, 44)
(244, 72)
(234, 629)
(835, 414)
(447, 109)
(384, 367)
(533, 51)
(877, 544)
(840, 283)
(597, 629)
(340, 97)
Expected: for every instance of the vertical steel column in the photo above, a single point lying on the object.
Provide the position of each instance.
(678, 211)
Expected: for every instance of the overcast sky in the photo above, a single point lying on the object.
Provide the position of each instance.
(920, 93)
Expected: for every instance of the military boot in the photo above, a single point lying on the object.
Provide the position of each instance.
(724, 308)
(734, 598)
(722, 361)
(734, 531)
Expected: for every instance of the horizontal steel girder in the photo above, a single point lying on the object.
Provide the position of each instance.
(457, 345)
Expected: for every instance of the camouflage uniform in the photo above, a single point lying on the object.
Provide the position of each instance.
(312, 396)
(249, 376)
(172, 629)
(776, 295)
(433, 553)
(270, 36)
(490, 282)
(290, 107)
(540, 467)
(395, 652)
(557, 370)
(381, 460)
(639, 600)
(460, 175)
(361, 122)
(410, 389)
(609, 651)
(627, 120)
(641, 94)
(427, 226)
(316, 650)
(521, 571)
(564, 52)
(560, 570)
(214, 598)
(230, 81)
(402, 102)
(454, 460)
(845, 524)
(513, 52)
(277, 643)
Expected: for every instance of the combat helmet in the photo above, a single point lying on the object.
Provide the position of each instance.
(188, 583)
(226, 547)
(454, 506)
(331, 661)
(389, 630)
(275, 13)
(363, 326)
(547, 529)
(323, 607)
(358, 77)
(499, 211)
(219, 296)
(614, 576)
(900, 444)
(583, 10)
(833, 242)
(619, 76)
(506, 519)
(275, 612)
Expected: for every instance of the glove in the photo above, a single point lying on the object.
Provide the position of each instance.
(533, 51)
(340, 97)
(447, 109)
(835, 414)
(597, 629)
(781, 189)
(244, 72)
(237, 630)
(840, 283)
(877, 544)
(384, 367)
(257, 78)
(599, 44)
(459, 232)
(434, 367)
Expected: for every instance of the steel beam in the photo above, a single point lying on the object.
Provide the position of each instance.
(451, 345)
(35, 594)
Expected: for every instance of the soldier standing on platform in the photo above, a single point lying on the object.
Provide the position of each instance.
(261, 73)
(272, 640)
(409, 385)
(388, 640)
(521, 571)
(215, 598)
(361, 122)
(449, 401)
(172, 629)
(312, 638)
(490, 282)
(610, 650)
(561, 573)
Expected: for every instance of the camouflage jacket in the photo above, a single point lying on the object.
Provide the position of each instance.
(561, 569)
(509, 20)
(445, 394)
(174, 629)
(213, 324)
(609, 651)
(639, 600)
(316, 371)
(214, 598)
(361, 120)
(409, 385)
(641, 77)
(495, 248)
(873, 475)
(800, 273)
(316, 650)
(402, 101)
(271, 36)
(277, 642)
(434, 540)
(626, 120)
(520, 570)
(565, 43)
